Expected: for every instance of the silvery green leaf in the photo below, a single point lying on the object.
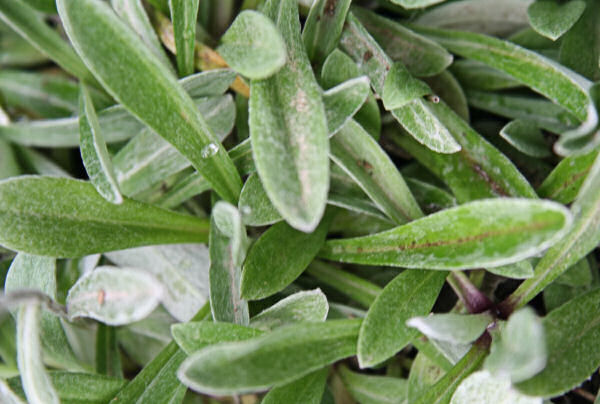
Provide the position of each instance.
(289, 136)
(485, 16)
(9, 167)
(142, 83)
(305, 390)
(181, 268)
(570, 334)
(101, 227)
(94, 153)
(148, 159)
(526, 137)
(421, 56)
(254, 204)
(338, 68)
(343, 101)
(424, 373)
(184, 14)
(508, 230)
(195, 335)
(552, 19)
(400, 87)
(482, 387)
(279, 256)
(132, 11)
(478, 76)
(361, 157)
(77, 387)
(545, 114)
(114, 296)
(30, 272)
(31, 26)
(36, 383)
(518, 270)
(323, 27)
(273, 359)
(519, 348)
(370, 389)
(384, 331)
(252, 46)
(559, 84)
(451, 327)
(310, 306)
(227, 245)
(415, 116)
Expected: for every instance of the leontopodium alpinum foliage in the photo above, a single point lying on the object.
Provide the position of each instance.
(299, 201)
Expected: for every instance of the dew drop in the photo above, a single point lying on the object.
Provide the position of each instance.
(209, 150)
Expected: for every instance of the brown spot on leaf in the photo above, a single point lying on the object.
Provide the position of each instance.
(367, 56)
(330, 7)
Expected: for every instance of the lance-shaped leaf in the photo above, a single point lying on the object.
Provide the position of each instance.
(424, 373)
(45, 95)
(541, 74)
(552, 19)
(545, 114)
(133, 12)
(29, 24)
(339, 67)
(584, 34)
(581, 238)
(34, 273)
(421, 56)
(252, 46)
(368, 389)
(274, 359)
(482, 387)
(400, 87)
(309, 306)
(9, 166)
(141, 84)
(414, 114)
(519, 348)
(78, 387)
(36, 383)
(114, 296)
(430, 197)
(343, 101)
(254, 204)
(148, 159)
(227, 247)
(323, 28)
(518, 270)
(116, 123)
(384, 331)
(441, 392)
(184, 14)
(573, 355)
(478, 171)
(279, 256)
(195, 335)
(451, 327)
(484, 233)
(478, 76)
(181, 268)
(288, 129)
(526, 137)
(361, 157)
(44, 216)
(93, 151)
(564, 182)
(500, 18)
(306, 390)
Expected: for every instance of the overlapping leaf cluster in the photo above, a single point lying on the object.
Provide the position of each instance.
(202, 200)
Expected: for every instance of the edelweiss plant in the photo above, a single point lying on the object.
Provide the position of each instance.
(289, 201)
